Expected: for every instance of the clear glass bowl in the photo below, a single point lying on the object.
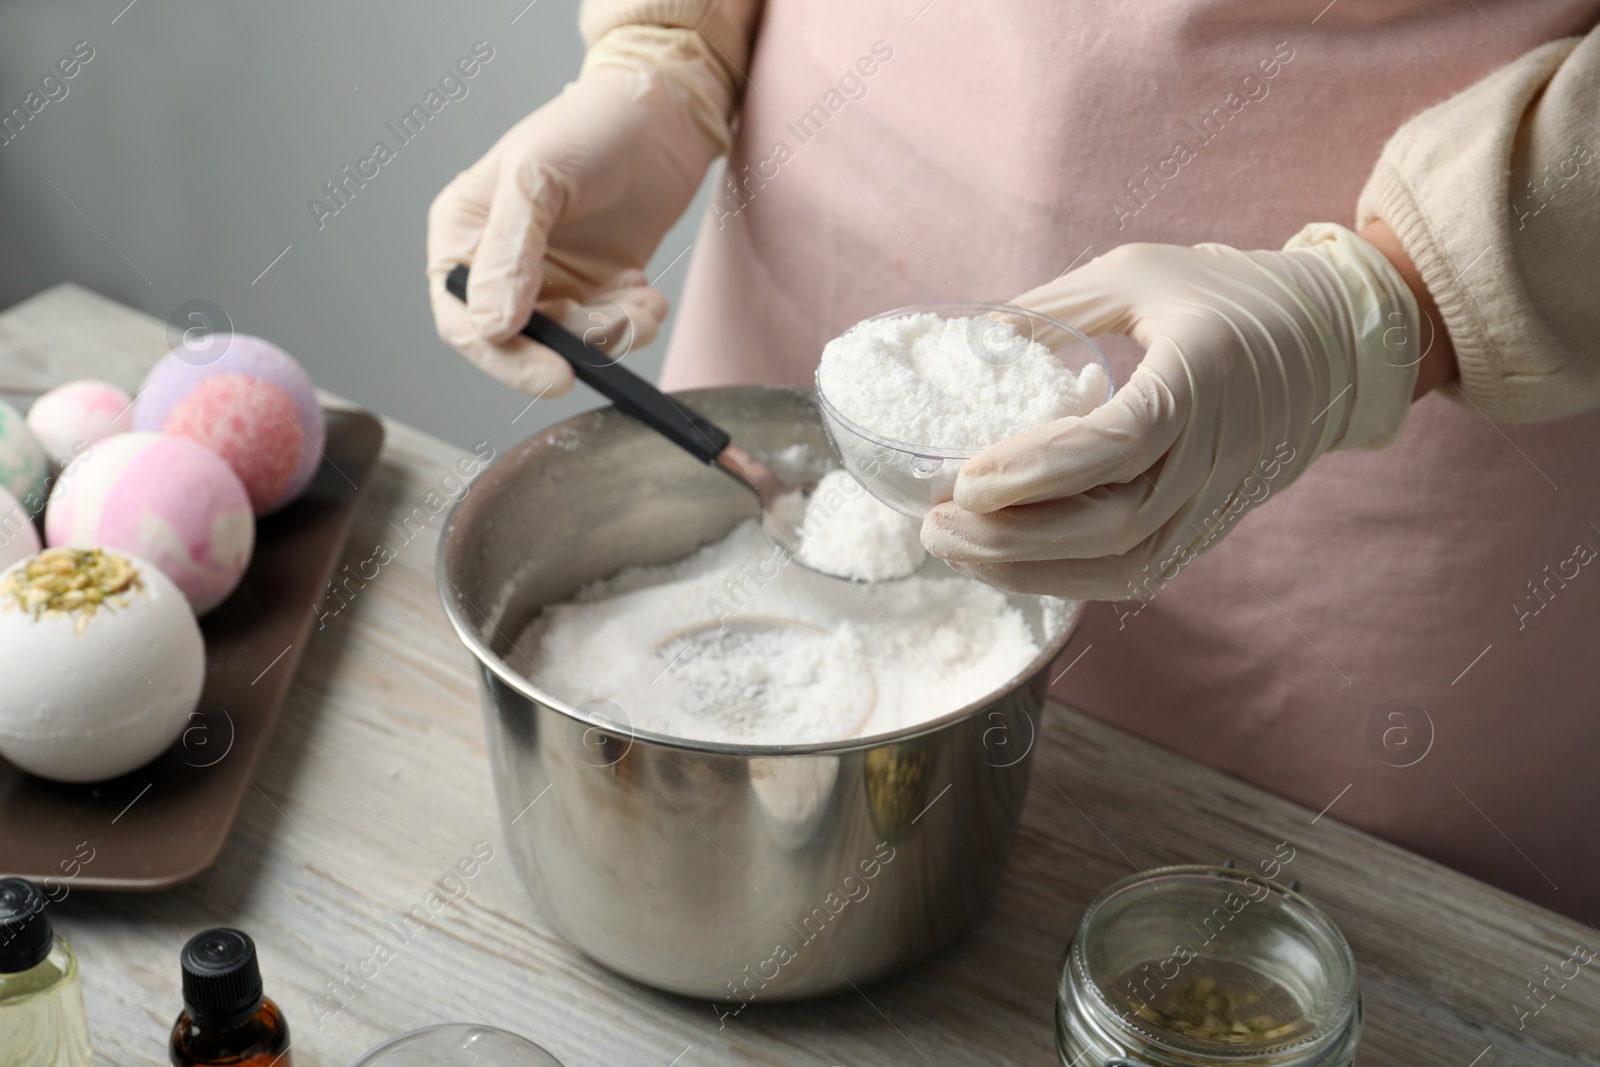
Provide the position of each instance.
(458, 1045)
(912, 477)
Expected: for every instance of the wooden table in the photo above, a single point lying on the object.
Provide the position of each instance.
(377, 782)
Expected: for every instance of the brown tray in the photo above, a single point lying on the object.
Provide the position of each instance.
(164, 823)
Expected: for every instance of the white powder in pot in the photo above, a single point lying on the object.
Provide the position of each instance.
(849, 533)
(951, 383)
(733, 645)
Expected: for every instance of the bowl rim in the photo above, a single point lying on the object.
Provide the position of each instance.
(1051, 650)
(973, 309)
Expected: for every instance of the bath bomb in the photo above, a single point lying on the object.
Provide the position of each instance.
(18, 538)
(23, 468)
(254, 406)
(164, 499)
(102, 663)
(77, 414)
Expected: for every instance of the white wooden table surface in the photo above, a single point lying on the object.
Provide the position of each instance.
(376, 783)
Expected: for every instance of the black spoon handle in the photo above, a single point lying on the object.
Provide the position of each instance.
(632, 394)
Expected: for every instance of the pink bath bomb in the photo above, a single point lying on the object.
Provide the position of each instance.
(254, 406)
(166, 499)
(18, 538)
(78, 414)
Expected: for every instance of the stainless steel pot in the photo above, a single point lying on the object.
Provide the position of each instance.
(736, 873)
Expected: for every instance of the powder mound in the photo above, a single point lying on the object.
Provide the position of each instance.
(962, 383)
(768, 674)
(849, 533)
(733, 645)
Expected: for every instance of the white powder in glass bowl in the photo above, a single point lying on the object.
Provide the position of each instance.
(951, 383)
(733, 645)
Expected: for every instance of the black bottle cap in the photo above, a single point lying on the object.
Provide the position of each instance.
(221, 979)
(25, 935)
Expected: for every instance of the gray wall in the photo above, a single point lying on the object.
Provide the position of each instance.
(181, 159)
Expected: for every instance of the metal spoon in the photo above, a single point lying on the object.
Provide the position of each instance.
(783, 505)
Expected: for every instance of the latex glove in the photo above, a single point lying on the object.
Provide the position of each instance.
(566, 209)
(1256, 363)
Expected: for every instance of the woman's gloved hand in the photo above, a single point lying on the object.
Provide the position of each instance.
(566, 209)
(1256, 363)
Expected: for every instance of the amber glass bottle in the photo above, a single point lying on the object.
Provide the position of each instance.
(225, 1018)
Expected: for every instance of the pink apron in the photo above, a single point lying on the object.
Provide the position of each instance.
(1408, 635)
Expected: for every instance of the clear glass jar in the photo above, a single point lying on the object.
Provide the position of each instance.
(1206, 965)
(42, 1021)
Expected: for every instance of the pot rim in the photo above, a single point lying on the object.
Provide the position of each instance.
(468, 635)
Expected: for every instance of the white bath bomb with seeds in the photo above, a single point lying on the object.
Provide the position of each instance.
(102, 662)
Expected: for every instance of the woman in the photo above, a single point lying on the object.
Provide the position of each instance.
(1405, 637)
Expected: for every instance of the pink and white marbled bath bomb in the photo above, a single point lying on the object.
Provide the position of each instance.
(166, 499)
(254, 406)
(77, 414)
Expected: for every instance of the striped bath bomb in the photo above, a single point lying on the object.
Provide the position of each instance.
(165, 499)
(79, 413)
(23, 468)
(254, 406)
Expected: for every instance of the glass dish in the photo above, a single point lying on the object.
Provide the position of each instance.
(912, 477)
(458, 1045)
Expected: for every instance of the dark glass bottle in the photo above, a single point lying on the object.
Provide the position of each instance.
(225, 1017)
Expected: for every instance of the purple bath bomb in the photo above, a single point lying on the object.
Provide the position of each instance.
(165, 499)
(253, 405)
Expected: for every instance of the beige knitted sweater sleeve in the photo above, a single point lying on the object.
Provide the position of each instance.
(1495, 194)
(728, 26)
